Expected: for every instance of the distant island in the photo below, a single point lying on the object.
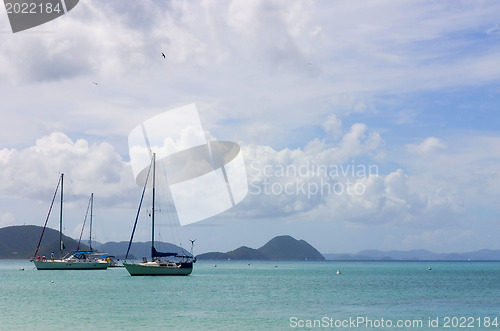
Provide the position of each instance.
(281, 248)
(19, 242)
(415, 255)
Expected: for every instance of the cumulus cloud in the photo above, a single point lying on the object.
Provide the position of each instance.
(325, 183)
(465, 167)
(293, 182)
(32, 172)
(428, 146)
(333, 125)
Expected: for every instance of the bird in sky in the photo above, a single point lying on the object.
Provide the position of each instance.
(163, 55)
(95, 83)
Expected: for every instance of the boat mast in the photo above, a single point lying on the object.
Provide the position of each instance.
(91, 207)
(153, 210)
(60, 219)
(47, 219)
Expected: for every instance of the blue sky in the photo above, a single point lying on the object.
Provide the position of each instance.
(409, 87)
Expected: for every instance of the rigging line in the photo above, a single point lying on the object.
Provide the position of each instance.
(139, 210)
(90, 227)
(166, 215)
(47, 219)
(172, 216)
(83, 226)
(146, 139)
(171, 212)
(74, 198)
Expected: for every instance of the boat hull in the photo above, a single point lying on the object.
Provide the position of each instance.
(154, 269)
(70, 265)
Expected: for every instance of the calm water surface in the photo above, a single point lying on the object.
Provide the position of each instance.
(260, 296)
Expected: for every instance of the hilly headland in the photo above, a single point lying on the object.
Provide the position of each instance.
(20, 242)
(281, 248)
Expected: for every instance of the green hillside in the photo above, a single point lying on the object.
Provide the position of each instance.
(281, 248)
(19, 242)
(288, 248)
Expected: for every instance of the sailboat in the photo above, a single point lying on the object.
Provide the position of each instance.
(77, 261)
(158, 266)
(91, 254)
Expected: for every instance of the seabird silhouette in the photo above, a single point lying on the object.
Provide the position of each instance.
(163, 55)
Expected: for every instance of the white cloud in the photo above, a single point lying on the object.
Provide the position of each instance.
(428, 146)
(333, 125)
(325, 183)
(271, 68)
(33, 171)
(294, 182)
(466, 166)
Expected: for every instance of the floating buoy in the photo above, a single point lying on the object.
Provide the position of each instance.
(429, 268)
(338, 272)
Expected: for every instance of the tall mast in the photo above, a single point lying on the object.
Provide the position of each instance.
(153, 210)
(91, 207)
(60, 219)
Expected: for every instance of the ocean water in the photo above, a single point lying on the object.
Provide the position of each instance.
(235, 295)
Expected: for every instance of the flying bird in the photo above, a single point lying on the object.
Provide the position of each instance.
(163, 56)
(95, 83)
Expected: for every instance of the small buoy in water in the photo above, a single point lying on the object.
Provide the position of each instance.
(338, 272)
(52, 281)
(21, 269)
(429, 268)
(215, 265)
(275, 266)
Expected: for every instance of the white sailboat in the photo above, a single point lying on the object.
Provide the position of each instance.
(158, 266)
(76, 261)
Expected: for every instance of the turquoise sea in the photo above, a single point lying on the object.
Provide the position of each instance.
(235, 295)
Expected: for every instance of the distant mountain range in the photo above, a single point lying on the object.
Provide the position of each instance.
(19, 242)
(281, 248)
(416, 255)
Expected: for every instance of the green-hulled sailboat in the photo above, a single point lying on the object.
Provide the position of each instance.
(182, 266)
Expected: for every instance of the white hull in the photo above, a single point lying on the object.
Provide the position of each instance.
(159, 269)
(70, 265)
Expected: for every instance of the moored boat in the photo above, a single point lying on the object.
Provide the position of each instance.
(80, 260)
(76, 261)
(157, 266)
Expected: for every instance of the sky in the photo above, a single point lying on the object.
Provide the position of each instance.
(363, 125)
